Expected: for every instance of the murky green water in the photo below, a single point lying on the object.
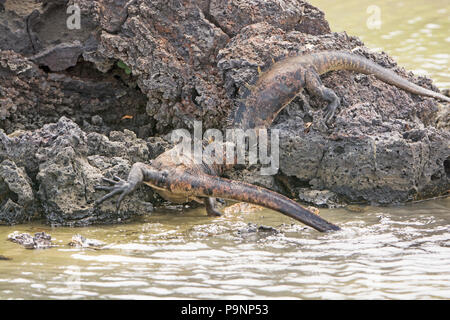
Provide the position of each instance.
(388, 253)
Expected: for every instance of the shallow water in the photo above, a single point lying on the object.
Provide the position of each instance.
(383, 253)
(380, 253)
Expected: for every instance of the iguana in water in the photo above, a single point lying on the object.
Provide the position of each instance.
(178, 178)
(267, 97)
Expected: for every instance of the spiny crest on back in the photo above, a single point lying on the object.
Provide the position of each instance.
(263, 68)
(246, 89)
(236, 113)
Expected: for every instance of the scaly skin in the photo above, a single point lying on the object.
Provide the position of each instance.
(180, 180)
(278, 86)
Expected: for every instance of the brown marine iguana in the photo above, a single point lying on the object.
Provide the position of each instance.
(183, 180)
(285, 79)
(272, 92)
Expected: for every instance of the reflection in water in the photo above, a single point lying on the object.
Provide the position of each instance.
(401, 252)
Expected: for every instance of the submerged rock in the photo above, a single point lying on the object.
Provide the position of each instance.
(40, 240)
(79, 241)
(242, 207)
(320, 198)
(253, 232)
(254, 228)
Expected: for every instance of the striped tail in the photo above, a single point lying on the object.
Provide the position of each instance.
(217, 187)
(337, 60)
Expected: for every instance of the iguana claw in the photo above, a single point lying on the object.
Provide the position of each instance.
(119, 186)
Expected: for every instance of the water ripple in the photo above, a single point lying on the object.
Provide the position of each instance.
(395, 253)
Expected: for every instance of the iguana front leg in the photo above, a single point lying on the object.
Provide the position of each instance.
(211, 210)
(315, 87)
(117, 186)
(138, 173)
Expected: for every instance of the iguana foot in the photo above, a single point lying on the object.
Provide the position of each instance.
(331, 109)
(315, 87)
(118, 186)
(210, 207)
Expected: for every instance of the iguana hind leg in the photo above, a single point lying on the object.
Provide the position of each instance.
(315, 87)
(211, 210)
(306, 105)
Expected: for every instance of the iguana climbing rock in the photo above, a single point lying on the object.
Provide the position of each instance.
(177, 178)
(285, 79)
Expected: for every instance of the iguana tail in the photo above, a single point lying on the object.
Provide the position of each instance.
(211, 186)
(337, 60)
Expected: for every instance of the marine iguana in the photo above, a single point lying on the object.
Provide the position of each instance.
(181, 180)
(285, 79)
(266, 98)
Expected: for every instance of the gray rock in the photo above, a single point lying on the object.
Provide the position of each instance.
(66, 164)
(17, 202)
(30, 97)
(14, 27)
(72, 165)
(319, 198)
(379, 167)
(11, 213)
(59, 57)
(233, 15)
